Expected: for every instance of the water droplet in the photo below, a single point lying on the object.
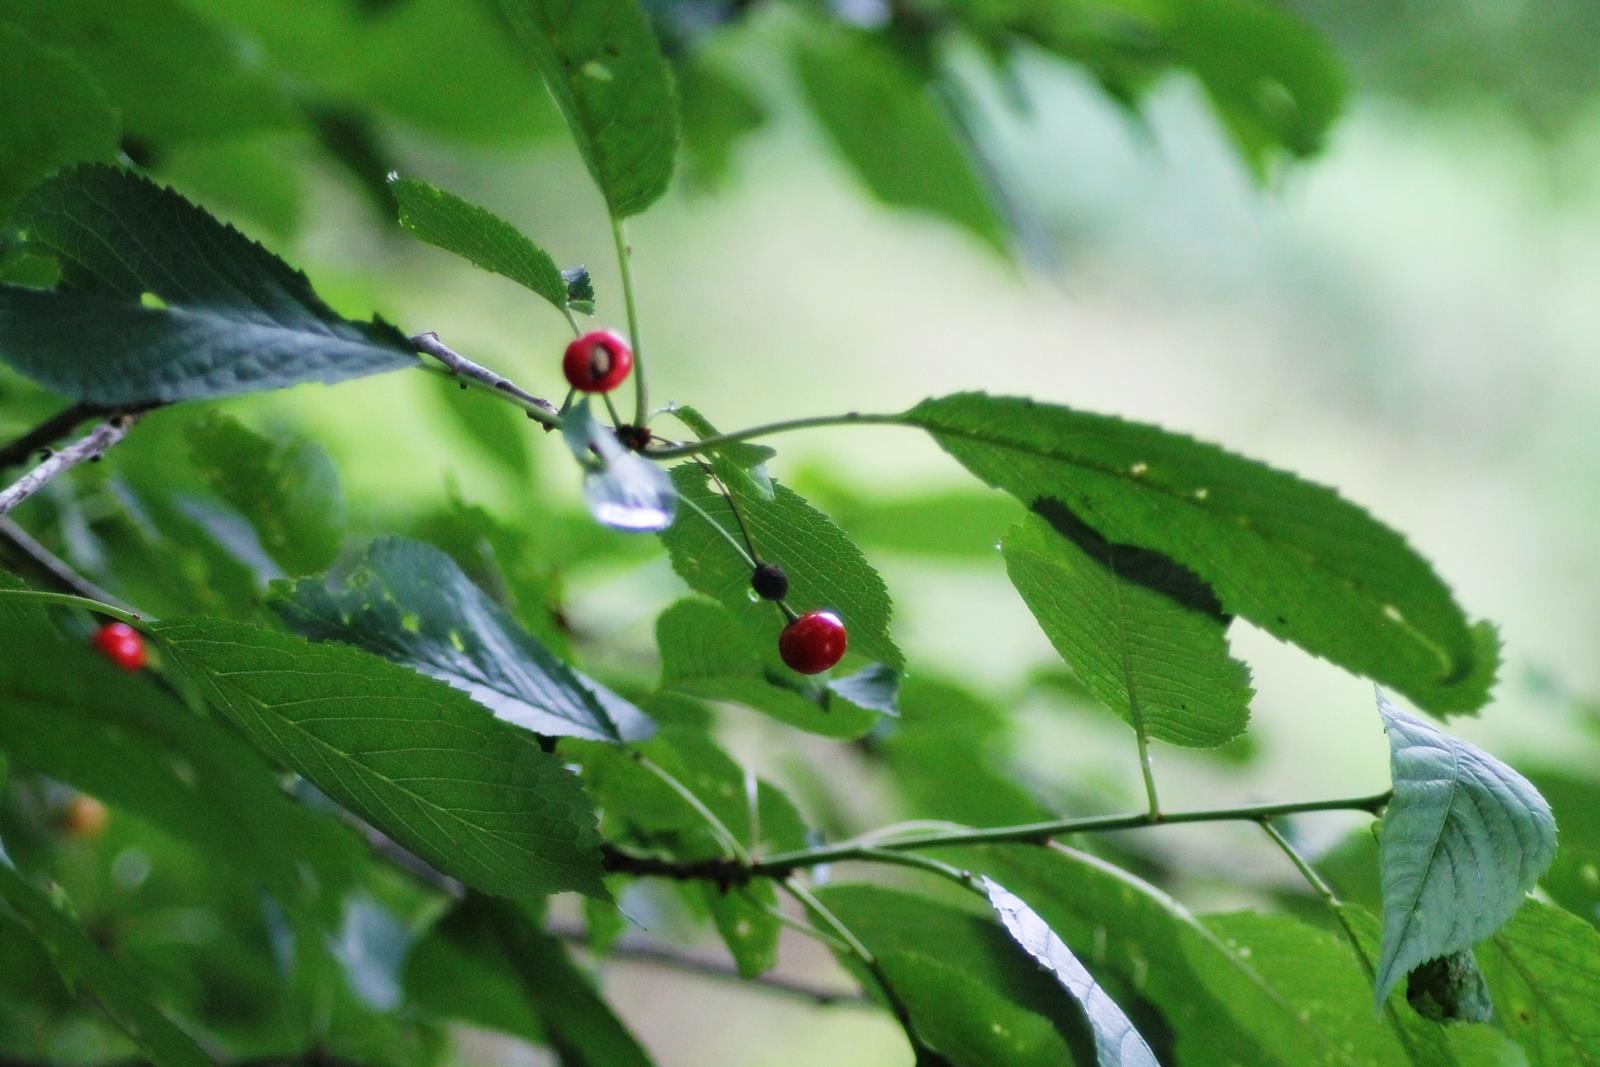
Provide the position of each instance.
(1201, 493)
(752, 596)
(597, 70)
(1392, 613)
(1139, 469)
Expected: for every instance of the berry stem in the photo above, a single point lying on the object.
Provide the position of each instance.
(68, 600)
(706, 444)
(641, 394)
(721, 529)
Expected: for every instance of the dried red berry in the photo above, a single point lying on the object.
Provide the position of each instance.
(122, 645)
(597, 362)
(813, 642)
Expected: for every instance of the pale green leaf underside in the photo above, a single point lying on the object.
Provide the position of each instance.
(1463, 840)
(473, 796)
(159, 302)
(1543, 971)
(410, 603)
(1291, 556)
(119, 994)
(1113, 613)
(1117, 1043)
(479, 236)
(826, 570)
(602, 64)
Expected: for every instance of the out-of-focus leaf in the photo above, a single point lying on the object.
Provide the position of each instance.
(193, 78)
(1289, 555)
(1141, 633)
(496, 429)
(719, 111)
(705, 652)
(1463, 840)
(1117, 1043)
(605, 70)
(479, 236)
(119, 994)
(1543, 971)
(745, 920)
(255, 181)
(52, 112)
(623, 490)
(475, 797)
(288, 490)
(889, 128)
(459, 970)
(159, 302)
(408, 602)
(826, 570)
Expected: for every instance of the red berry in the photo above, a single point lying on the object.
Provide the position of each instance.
(122, 645)
(84, 817)
(597, 362)
(813, 642)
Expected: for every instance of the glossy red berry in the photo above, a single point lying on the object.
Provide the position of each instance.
(122, 645)
(813, 642)
(597, 362)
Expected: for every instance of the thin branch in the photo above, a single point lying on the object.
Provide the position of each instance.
(46, 434)
(781, 865)
(459, 366)
(706, 444)
(641, 386)
(68, 600)
(1324, 891)
(85, 450)
(56, 568)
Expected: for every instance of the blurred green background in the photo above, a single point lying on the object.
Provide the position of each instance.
(1409, 316)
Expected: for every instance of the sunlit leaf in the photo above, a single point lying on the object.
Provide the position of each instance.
(1543, 970)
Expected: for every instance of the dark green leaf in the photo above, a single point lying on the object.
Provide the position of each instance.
(120, 994)
(604, 68)
(1141, 633)
(1290, 556)
(580, 290)
(409, 603)
(78, 124)
(288, 490)
(826, 570)
(1543, 970)
(159, 302)
(1463, 840)
(745, 920)
(479, 236)
(891, 130)
(705, 652)
(1116, 1042)
(473, 796)
(459, 971)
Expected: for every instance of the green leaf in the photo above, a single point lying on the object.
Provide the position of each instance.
(159, 302)
(605, 70)
(705, 652)
(738, 463)
(79, 123)
(971, 996)
(890, 129)
(1450, 989)
(719, 111)
(1142, 634)
(120, 994)
(496, 429)
(191, 79)
(1463, 840)
(288, 490)
(744, 919)
(409, 603)
(826, 570)
(1117, 1043)
(473, 796)
(1291, 556)
(1543, 970)
(479, 236)
(459, 971)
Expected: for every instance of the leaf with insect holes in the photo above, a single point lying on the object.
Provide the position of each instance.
(1116, 1042)
(477, 798)
(602, 64)
(288, 490)
(826, 570)
(1142, 634)
(410, 603)
(484, 239)
(122, 995)
(1291, 556)
(159, 302)
(1462, 842)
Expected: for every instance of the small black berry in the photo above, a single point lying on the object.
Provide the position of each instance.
(769, 582)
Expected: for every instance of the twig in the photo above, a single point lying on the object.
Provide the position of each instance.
(85, 450)
(460, 366)
(45, 434)
(56, 568)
